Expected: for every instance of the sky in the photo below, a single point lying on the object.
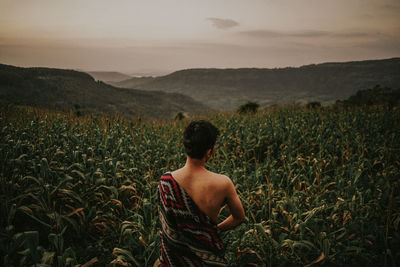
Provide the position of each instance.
(154, 37)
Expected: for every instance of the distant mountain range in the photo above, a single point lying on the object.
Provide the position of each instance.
(108, 76)
(228, 88)
(193, 91)
(69, 89)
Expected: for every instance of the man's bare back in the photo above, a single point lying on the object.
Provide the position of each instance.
(207, 189)
(210, 191)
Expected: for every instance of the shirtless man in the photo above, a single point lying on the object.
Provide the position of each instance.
(208, 190)
(190, 199)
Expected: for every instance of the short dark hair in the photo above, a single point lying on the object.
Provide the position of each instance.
(199, 136)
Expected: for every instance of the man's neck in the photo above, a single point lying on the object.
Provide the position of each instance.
(195, 164)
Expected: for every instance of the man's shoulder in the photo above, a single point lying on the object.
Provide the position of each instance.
(220, 178)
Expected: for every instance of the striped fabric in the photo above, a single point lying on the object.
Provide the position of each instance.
(188, 236)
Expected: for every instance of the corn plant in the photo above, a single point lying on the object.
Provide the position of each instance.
(319, 186)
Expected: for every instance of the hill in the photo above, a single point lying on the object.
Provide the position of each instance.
(108, 76)
(229, 88)
(374, 96)
(134, 82)
(69, 89)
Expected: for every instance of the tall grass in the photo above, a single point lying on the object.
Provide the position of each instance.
(318, 186)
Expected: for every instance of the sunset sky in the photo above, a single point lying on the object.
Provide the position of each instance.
(160, 36)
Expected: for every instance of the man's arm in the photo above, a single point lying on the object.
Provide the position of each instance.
(235, 207)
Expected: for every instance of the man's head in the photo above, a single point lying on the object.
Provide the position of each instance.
(199, 137)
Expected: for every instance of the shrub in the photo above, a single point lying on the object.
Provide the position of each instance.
(249, 107)
(314, 104)
(179, 116)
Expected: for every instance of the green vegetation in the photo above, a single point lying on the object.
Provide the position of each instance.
(225, 89)
(319, 186)
(249, 107)
(67, 89)
(314, 104)
(109, 76)
(179, 116)
(375, 96)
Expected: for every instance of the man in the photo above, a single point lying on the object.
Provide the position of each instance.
(190, 199)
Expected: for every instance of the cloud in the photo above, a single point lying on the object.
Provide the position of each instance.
(275, 34)
(393, 6)
(223, 24)
(303, 34)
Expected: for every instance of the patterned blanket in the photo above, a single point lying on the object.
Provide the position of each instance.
(188, 236)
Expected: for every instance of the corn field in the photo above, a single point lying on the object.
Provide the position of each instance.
(319, 187)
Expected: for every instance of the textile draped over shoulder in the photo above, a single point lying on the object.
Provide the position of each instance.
(188, 235)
